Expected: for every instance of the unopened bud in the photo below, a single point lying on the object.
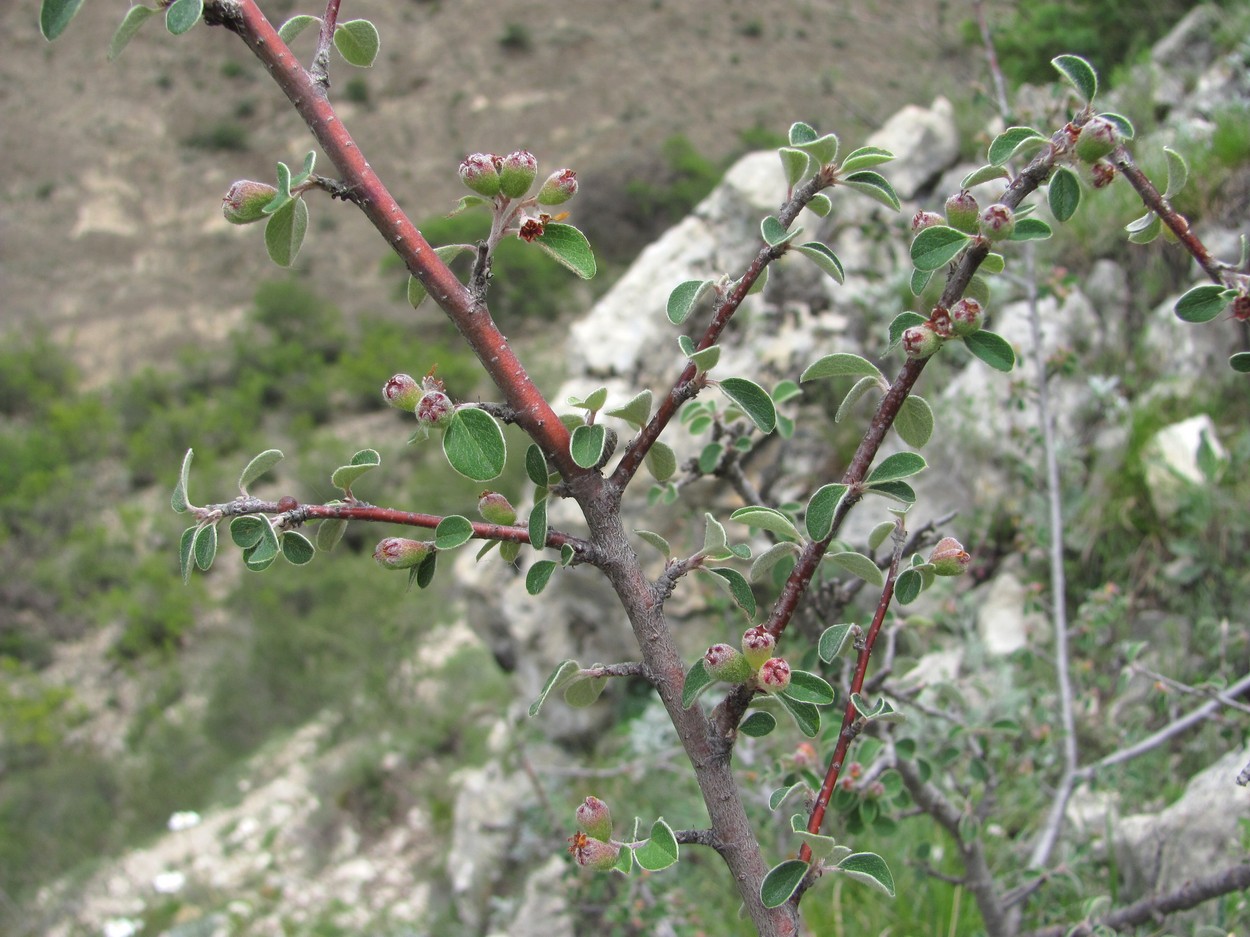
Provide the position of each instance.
(949, 558)
(1101, 174)
(940, 322)
(479, 172)
(921, 341)
(967, 316)
(757, 645)
(517, 172)
(774, 675)
(402, 392)
(401, 553)
(560, 186)
(962, 212)
(434, 409)
(495, 508)
(997, 222)
(593, 854)
(925, 219)
(1098, 138)
(595, 819)
(244, 201)
(727, 664)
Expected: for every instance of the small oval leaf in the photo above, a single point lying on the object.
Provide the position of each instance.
(453, 531)
(1063, 193)
(841, 364)
(697, 680)
(820, 510)
(682, 300)
(1203, 303)
(870, 868)
(991, 348)
(259, 465)
(1079, 73)
(899, 465)
(536, 576)
(565, 671)
(914, 422)
(358, 42)
(284, 231)
(586, 445)
(758, 724)
(859, 565)
(474, 445)
(753, 400)
(537, 524)
(567, 245)
(296, 548)
(937, 246)
(833, 640)
(660, 851)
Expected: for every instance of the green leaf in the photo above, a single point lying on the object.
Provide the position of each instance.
(474, 445)
(1079, 73)
(705, 359)
(937, 246)
(453, 531)
(682, 300)
(878, 534)
(565, 244)
(416, 289)
(1240, 362)
(135, 17)
(538, 524)
(55, 15)
(780, 795)
(758, 724)
(1124, 126)
(899, 465)
(205, 546)
(874, 185)
(587, 444)
(984, 174)
(822, 150)
(259, 556)
(1203, 303)
(537, 575)
(739, 588)
(824, 258)
(1031, 229)
(786, 390)
(247, 531)
(715, 540)
(289, 30)
(358, 42)
(366, 460)
(901, 323)
(765, 518)
(710, 457)
(753, 400)
(697, 680)
(820, 205)
(794, 164)
(660, 851)
(841, 364)
(565, 671)
(1063, 193)
(258, 467)
(1178, 172)
(993, 263)
(296, 548)
(781, 882)
(636, 412)
(656, 541)
(182, 15)
(686, 344)
(329, 533)
(870, 868)
(284, 231)
(178, 500)
(899, 491)
(801, 133)
(991, 348)
(661, 461)
(809, 688)
(861, 566)
(914, 422)
(865, 157)
(774, 234)
(765, 562)
(908, 585)
(806, 716)
(186, 544)
(820, 510)
(584, 691)
(1010, 141)
(832, 641)
(919, 280)
(536, 466)
(1145, 229)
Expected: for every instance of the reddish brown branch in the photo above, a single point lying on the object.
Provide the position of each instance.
(472, 319)
(320, 70)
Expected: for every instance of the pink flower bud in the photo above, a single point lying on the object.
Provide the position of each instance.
(434, 409)
(517, 172)
(757, 645)
(593, 854)
(401, 553)
(997, 222)
(244, 201)
(479, 172)
(962, 212)
(949, 558)
(967, 316)
(594, 819)
(1098, 138)
(940, 322)
(925, 219)
(402, 392)
(560, 186)
(921, 341)
(1102, 174)
(495, 508)
(727, 664)
(774, 675)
